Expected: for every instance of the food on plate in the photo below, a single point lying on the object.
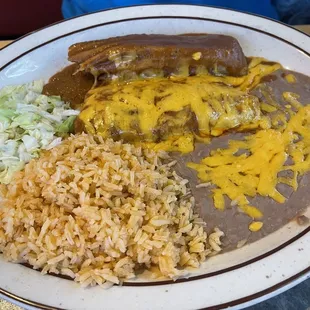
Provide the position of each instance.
(143, 56)
(69, 85)
(156, 110)
(182, 147)
(280, 102)
(97, 210)
(256, 170)
(29, 121)
(161, 109)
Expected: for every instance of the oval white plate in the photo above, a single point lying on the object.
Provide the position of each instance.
(236, 279)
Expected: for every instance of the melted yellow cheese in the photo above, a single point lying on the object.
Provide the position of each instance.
(160, 109)
(255, 172)
(140, 107)
(290, 78)
(255, 226)
(183, 144)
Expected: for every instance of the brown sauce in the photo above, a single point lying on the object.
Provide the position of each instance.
(69, 86)
(219, 54)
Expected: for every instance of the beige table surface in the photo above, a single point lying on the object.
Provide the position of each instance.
(8, 306)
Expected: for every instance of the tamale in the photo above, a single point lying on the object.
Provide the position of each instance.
(142, 56)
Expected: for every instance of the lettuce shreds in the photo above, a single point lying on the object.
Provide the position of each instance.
(29, 122)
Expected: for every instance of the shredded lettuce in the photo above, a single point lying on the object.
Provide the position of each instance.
(29, 122)
(67, 125)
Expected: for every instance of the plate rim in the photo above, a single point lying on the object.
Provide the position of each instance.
(276, 289)
(239, 301)
(147, 5)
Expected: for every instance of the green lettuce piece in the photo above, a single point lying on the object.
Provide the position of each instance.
(9, 113)
(29, 122)
(10, 168)
(67, 126)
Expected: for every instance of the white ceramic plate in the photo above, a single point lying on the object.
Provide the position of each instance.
(236, 279)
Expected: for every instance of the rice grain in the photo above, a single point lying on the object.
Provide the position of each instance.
(97, 210)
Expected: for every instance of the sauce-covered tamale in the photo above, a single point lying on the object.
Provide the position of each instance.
(156, 55)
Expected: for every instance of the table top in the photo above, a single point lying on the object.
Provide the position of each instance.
(4, 43)
(8, 306)
(304, 28)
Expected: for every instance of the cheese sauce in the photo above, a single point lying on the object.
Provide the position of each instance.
(162, 109)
